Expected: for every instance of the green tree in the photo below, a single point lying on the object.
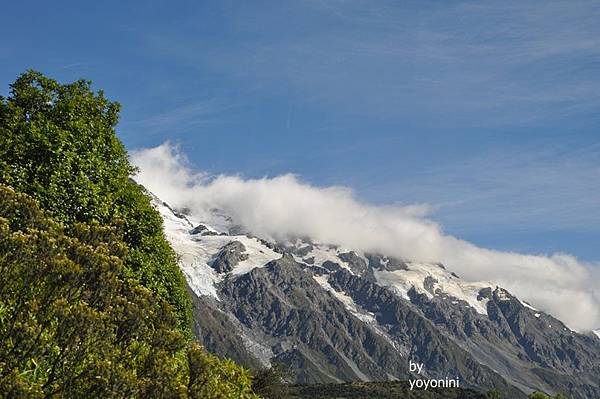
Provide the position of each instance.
(538, 395)
(58, 144)
(211, 377)
(72, 324)
(271, 383)
(494, 394)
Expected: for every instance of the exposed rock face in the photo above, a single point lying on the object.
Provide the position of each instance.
(385, 263)
(356, 263)
(229, 256)
(200, 229)
(331, 266)
(219, 332)
(528, 348)
(203, 230)
(284, 302)
(334, 315)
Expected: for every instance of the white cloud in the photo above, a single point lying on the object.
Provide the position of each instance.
(284, 206)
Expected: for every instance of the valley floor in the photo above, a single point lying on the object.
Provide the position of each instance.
(377, 390)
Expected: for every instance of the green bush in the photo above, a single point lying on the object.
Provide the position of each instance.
(271, 383)
(92, 302)
(494, 394)
(539, 395)
(211, 377)
(58, 144)
(73, 325)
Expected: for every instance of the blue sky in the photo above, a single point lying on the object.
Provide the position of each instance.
(486, 111)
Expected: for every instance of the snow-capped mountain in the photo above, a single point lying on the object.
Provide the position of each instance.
(333, 314)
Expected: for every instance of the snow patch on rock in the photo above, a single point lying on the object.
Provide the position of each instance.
(444, 284)
(527, 305)
(347, 301)
(193, 258)
(197, 251)
(258, 255)
(323, 253)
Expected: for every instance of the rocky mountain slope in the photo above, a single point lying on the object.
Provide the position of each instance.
(335, 315)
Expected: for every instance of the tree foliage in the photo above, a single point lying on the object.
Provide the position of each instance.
(92, 303)
(58, 144)
(72, 324)
(541, 395)
(494, 394)
(272, 382)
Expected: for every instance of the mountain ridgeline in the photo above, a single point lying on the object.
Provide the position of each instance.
(333, 315)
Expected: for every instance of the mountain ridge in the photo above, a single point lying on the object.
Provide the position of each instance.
(336, 315)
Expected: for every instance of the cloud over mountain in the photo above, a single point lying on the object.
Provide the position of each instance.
(284, 206)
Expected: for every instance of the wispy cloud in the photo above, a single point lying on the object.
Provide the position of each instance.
(451, 63)
(527, 188)
(72, 65)
(186, 117)
(284, 207)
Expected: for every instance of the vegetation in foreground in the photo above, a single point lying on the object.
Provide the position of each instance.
(272, 384)
(58, 145)
(378, 390)
(72, 325)
(92, 303)
(392, 390)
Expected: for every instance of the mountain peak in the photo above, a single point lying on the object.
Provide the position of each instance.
(335, 314)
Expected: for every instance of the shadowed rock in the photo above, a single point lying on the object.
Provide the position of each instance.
(356, 263)
(229, 256)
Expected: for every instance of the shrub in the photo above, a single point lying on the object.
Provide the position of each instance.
(73, 325)
(58, 144)
(538, 395)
